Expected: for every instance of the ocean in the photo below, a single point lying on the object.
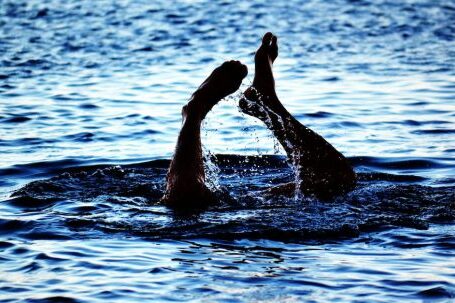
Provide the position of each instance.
(90, 108)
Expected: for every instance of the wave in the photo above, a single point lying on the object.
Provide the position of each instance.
(109, 200)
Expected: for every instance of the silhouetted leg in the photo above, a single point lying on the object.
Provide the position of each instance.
(186, 178)
(323, 170)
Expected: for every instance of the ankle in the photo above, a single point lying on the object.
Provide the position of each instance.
(189, 112)
(196, 108)
(268, 99)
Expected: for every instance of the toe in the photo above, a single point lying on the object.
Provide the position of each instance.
(231, 64)
(240, 70)
(236, 68)
(273, 50)
(236, 64)
(266, 38)
(243, 70)
(274, 42)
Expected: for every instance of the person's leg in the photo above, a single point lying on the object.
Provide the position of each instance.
(323, 170)
(186, 178)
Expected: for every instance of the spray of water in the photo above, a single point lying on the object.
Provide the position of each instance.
(211, 168)
(269, 117)
(212, 171)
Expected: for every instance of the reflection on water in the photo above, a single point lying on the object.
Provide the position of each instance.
(383, 267)
(102, 83)
(108, 79)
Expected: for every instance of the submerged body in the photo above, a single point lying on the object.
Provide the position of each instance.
(323, 170)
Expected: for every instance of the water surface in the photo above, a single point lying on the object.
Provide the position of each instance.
(90, 99)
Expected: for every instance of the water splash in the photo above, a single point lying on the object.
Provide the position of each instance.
(269, 115)
(212, 171)
(124, 200)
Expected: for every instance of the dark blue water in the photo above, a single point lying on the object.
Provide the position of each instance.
(90, 99)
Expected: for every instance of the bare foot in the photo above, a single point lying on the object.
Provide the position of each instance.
(262, 92)
(263, 59)
(186, 177)
(223, 81)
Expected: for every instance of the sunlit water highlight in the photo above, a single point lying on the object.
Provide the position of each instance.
(88, 85)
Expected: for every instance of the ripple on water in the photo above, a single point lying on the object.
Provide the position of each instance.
(434, 132)
(86, 81)
(116, 200)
